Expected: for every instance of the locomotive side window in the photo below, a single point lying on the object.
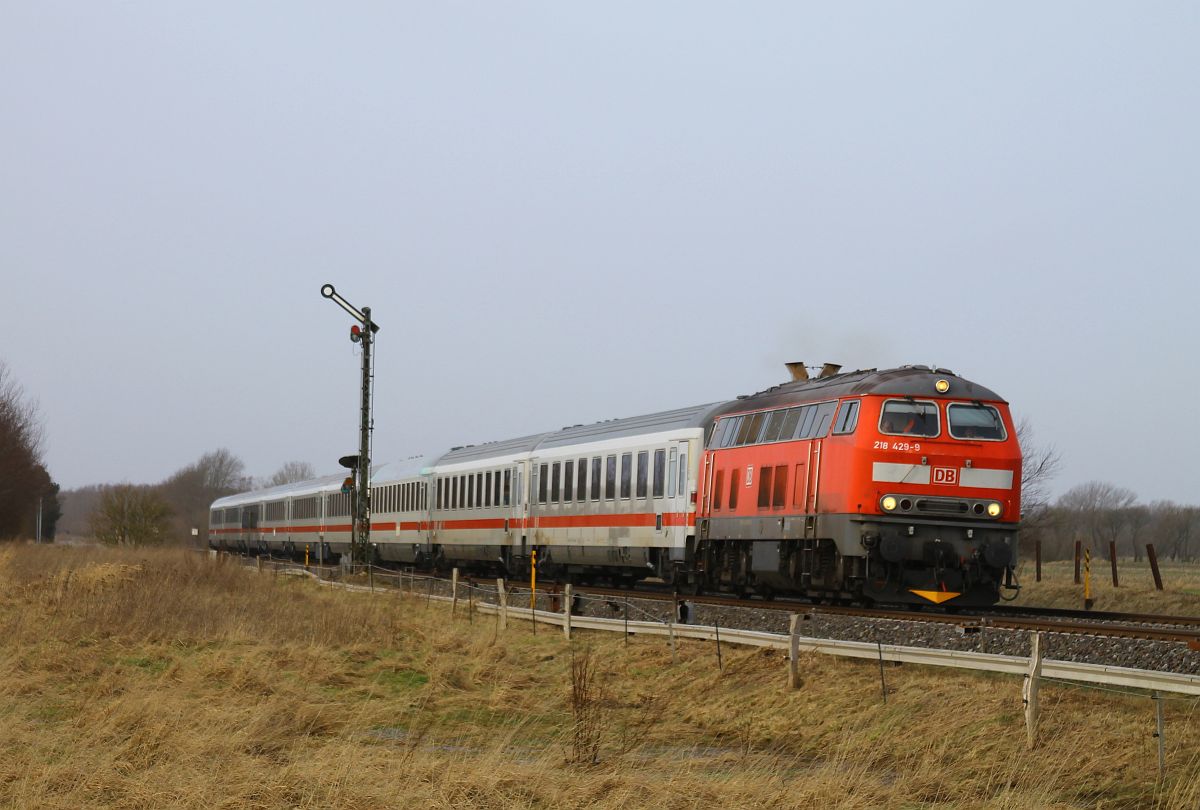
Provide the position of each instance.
(765, 477)
(790, 421)
(750, 428)
(909, 418)
(774, 429)
(729, 432)
(779, 494)
(979, 422)
(822, 419)
(847, 418)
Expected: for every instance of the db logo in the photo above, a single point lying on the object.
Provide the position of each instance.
(945, 475)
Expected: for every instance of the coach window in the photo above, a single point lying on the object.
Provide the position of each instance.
(978, 422)
(507, 487)
(437, 498)
(906, 417)
(543, 473)
(581, 484)
(626, 475)
(470, 504)
(683, 471)
(610, 478)
(735, 478)
(487, 488)
(671, 472)
(496, 488)
(847, 418)
(643, 472)
(718, 489)
(555, 482)
(479, 490)
(660, 473)
(594, 490)
(568, 481)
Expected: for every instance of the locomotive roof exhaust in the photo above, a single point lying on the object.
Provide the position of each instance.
(799, 371)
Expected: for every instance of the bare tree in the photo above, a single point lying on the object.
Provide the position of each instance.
(1039, 465)
(291, 472)
(1098, 511)
(23, 479)
(129, 515)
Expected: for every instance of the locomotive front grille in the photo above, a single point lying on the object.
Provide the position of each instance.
(942, 506)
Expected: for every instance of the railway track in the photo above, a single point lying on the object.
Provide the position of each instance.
(1181, 629)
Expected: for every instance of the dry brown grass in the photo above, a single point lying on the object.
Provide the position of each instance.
(160, 679)
(1136, 594)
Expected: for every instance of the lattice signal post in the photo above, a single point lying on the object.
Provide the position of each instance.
(363, 332)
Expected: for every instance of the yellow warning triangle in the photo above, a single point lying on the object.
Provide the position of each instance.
(937, 597)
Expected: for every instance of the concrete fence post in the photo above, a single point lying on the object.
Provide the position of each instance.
(567, 597)
(503, 595)
(794, 651)
(1030, 689)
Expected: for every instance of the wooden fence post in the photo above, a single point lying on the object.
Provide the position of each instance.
(453, 591)
(1030, 689)
(1154, 566)
(794, 652)
(567, 598)
(1037, 556)
(1078, 549)
(503, 614)
(1112, 556)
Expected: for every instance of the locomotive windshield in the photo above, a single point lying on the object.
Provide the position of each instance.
(909, 418)
(975, 422)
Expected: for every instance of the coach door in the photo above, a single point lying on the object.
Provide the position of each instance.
(675, 520)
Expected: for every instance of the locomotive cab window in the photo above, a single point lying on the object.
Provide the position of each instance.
(909, 418)
(847, 418)
(975, 422)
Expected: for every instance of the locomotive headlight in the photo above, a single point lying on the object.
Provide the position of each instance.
(942, 386)
(888, 503)
(993, 509)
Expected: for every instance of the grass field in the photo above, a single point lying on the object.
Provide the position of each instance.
(1135, 594)
(160, 679)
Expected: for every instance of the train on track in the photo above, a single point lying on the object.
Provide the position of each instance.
(888, 486)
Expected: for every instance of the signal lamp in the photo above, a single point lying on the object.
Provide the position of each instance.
(355, 333)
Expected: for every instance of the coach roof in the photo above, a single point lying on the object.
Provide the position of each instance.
(696, 416)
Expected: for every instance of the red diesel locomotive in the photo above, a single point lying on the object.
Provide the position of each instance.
(894, 486)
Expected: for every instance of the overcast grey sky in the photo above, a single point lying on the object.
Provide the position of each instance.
(565, 212)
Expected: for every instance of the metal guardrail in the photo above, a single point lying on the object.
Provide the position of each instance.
(1100, 674)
